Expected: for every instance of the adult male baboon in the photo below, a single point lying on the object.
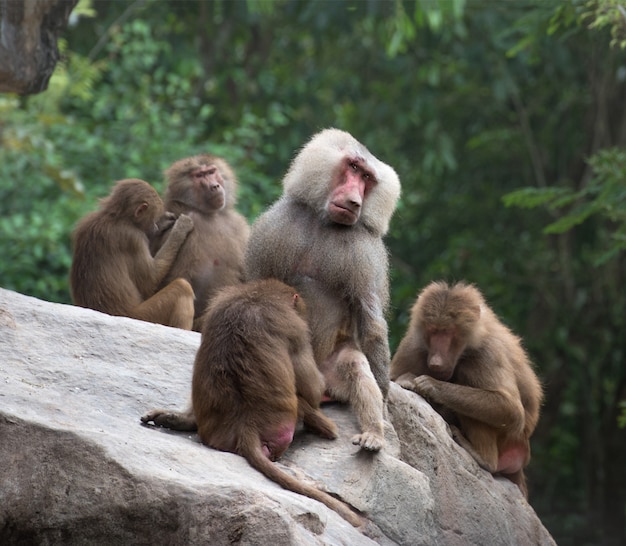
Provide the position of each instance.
(204, 187)
(459, 356)
(324, 236)
(254, 376)
(112, 269)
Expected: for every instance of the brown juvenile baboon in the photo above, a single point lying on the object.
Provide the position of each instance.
(324, 236)
(112, 268)
(254, 376)
(460, 357)
(204, 187)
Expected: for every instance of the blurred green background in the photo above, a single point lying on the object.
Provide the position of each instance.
(506, 121)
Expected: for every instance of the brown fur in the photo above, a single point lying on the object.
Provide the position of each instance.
(254, 375)
(458, 355)
(212, 256)
(325, 238)
(112, 269)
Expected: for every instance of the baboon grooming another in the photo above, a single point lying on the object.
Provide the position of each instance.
(112, 269)
(204, 187)
(324, 236)
(460, 357)
(254, 376)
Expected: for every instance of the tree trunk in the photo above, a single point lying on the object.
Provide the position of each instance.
(28, 42)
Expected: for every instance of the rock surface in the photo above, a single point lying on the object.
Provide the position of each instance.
(79, 468)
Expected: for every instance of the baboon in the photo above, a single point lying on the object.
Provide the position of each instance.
(204, 187)
(324, 236)
(254, 376)
(460, 357)
(113, 270)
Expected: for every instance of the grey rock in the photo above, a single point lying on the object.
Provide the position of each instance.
(79, 468)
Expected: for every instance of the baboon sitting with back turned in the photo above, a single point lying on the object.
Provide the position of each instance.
(461, 358)
(112, 268)
(254, 376)
(205, 188)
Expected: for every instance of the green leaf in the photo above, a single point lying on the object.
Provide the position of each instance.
(565, 223)
(533, 197)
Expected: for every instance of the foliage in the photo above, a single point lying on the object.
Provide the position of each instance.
(599, 194)
(605, 195)
(33, 174)
(621, 420)
(612, 14)
(472, 103)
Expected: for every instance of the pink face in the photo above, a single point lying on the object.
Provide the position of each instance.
(351, 185)
(444, 350)
(208, 186)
